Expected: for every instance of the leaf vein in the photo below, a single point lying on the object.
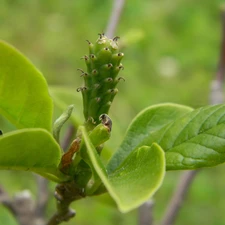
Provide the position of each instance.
(173, 145)
(215, 111)
(199, 133)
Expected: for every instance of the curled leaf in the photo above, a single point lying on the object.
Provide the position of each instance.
(60, 121)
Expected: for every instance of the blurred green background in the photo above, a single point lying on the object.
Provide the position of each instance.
(171, 54)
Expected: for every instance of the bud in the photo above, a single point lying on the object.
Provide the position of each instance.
(100, 79)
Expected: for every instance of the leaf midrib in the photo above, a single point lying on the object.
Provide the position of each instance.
(189, 139)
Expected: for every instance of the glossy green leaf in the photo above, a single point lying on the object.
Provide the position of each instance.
(194, 140)
(24, 97)
(31, 149)
(143, 125)
(136, 180)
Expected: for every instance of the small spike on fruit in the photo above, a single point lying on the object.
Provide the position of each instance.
(94, 72)
(80, 70)
(109, 79)
(121, 78)
(116, 38)
(85, 57)
(121, 67)
(96, 86)
(98, 99)
(81, 89)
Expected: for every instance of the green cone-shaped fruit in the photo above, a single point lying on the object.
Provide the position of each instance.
(100, 79)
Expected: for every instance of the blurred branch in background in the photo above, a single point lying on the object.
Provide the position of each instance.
(22, 206)
(6, 200)
(115, 17)
(178, 198)
(42, 196)
(68, 137)
(216, 97)
(145, 211)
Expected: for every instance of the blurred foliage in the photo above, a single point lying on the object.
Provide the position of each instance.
(171, 54)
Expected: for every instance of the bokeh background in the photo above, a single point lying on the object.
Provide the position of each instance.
(171, 55)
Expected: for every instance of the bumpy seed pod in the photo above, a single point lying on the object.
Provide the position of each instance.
(100, 80)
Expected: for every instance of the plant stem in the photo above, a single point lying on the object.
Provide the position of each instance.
(65, 195)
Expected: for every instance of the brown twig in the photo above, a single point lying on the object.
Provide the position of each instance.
(145, 213)
(24, 207)
(221, 66)
(179, 195)
(42, 197)
(21, 206)
(65, 195)
(115, 17)
(6, 201)
(216, 95)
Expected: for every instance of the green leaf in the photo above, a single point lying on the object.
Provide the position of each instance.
(138, 177)
(24, 97)
(193, 141)
(136, 180)
(31, 149)
(63, 97)
(143, 125)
